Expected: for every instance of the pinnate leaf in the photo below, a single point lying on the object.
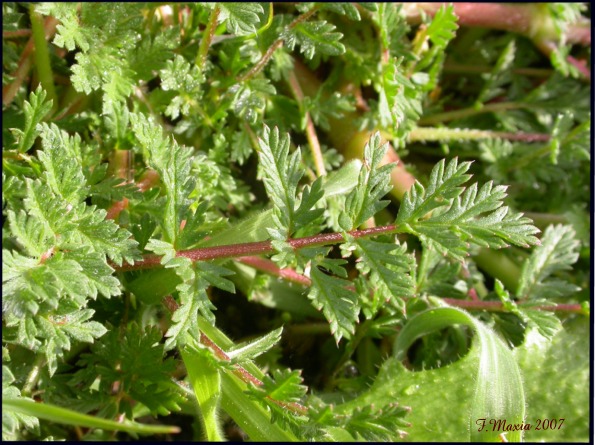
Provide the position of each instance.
(35, 110)
(315, 37)
(338, 302)
(364, 201)
(557, 252)
(240, 18)
(460, 216)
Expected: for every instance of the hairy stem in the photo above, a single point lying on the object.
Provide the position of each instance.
(10, 91)
(207, 38)
(254, 248)
(275, 46)
(444, 134)
(531, 20)
(313, 142)
(468, 112)
(33, 376)
(42, 57)
(474, 69)
(268, 266)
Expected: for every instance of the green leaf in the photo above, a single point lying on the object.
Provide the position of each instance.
(205, 378)
(104, 235)
(285, 385)
(557, 253)
(240, 18)
(70, 33)
(62, 163)
(391, 269)
(399, 101)
(33, 236)
(374, 424)
(443, 26)
(347, 9)
(315, 37)
(252, 349)
(338, 303)
(196, 278)
(172, 162)
(35, 110)
(564, 360)
(282, 173)
(253, 418)
(135, 358)
(364, 201)
(460, 216)
(12, 420)
(68, 417)
(498, 390)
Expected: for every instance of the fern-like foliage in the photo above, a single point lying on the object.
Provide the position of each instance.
(315, 38)
(390, 270)
(364, 201)
(282, 173)
(335, 297)
(460, 216)
(132, 362)
(35, 110)
(12, 422)
(172, 162)
(557, 252)
(61, 263)
(240, 18)
(443, 26)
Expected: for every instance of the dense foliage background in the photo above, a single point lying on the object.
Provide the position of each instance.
(257, 220)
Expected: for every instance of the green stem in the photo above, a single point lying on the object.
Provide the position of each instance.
(441, 134)
(207, 38)
(275, 46)
(33, 376)
(310, 130)
(471, 111)
(42, 57)
(473, 69)
(250, 415)
(498, 265)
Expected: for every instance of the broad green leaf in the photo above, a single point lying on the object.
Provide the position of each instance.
(497, 389)
(205, 378)
(565, 361)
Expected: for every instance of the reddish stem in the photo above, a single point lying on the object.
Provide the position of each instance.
(9, 91)
(239, 370)
(254, 248)
(289, 274)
